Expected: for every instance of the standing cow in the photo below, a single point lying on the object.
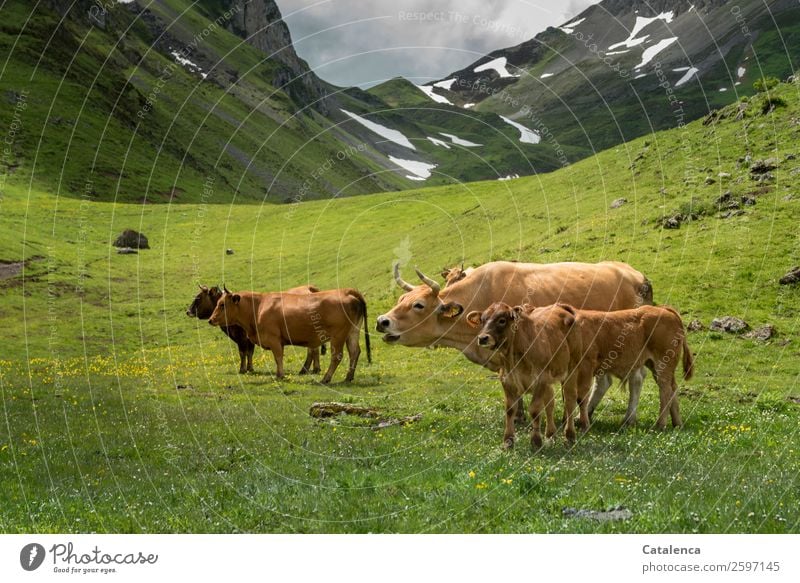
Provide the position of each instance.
(203, 306)
(428, 315)
(275, 320)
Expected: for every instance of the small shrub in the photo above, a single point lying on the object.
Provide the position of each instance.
(765, 84)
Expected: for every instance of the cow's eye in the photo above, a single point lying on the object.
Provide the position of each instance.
(418, 306)
(501, 321)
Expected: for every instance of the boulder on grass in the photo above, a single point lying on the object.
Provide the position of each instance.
(132, 239)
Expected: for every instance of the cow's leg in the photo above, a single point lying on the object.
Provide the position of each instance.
(550, 412)
(665, 380)
(512, 400)
(251, 348)
(315, 360)
(601, 384)
(674, 406)
(307, 364)
(277, 352)
(537, 404)
(353, 352)
(569, 392)
(242, 361)
(635, 382)
(337, 354)
(584, 380)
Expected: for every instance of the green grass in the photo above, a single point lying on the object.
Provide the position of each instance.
(96, 434)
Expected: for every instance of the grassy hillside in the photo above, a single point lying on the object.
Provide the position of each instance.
(110, 113)
(122, 414)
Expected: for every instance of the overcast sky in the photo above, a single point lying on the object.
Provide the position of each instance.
(364, 42)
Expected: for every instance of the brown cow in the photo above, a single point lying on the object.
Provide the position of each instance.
(537, 347)
(428, 315)
(203, 306)
(275, 320)
(619, 343)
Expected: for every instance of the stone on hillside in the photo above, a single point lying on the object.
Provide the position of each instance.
(710, 180)
(763, 333)
(673, 222)
(793, 276)
(724, 175)
(130, 238)
(764, 166)
(695, 326)
(729, 324)
(126, 251)
(229, 251)
(748, 200)
(618, 203)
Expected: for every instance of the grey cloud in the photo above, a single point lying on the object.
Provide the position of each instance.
(354, 42)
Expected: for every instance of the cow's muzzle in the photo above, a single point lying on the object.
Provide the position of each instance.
(484, 340)
(383, 324)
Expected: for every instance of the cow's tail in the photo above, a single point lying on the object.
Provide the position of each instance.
(362, 303)
(688, 361)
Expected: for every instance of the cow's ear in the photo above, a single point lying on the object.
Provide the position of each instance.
(517, 311)
(445, 273)
(451, 310)
(474, 319)
(236, 298)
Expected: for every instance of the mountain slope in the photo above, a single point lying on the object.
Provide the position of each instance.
(625, 67)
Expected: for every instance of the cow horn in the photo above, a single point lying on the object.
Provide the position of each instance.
(202, 287)
(225, 289)
(428, 281)
(400, 281)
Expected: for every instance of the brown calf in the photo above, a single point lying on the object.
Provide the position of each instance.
(536, 348)
(619, 343)
(275, 320)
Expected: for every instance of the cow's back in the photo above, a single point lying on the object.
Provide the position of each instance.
(608, 285)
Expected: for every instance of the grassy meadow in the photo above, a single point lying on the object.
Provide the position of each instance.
(121, 414)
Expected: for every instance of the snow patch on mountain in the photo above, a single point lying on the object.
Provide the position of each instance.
(650, 52)
(428, 90)
(459, 142)
(446, 84)
(545, 75)
(640, 24)
(384, 132)
(527, 136)
(569, 28)
(498, 65)
(438, 142)
(420, 170)
(687, 76)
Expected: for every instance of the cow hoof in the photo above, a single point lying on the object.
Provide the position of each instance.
(629, 422)
(325, 381)
(536, 442)
(242, 371)
(303, 371)
(315, 371)
(508, 443)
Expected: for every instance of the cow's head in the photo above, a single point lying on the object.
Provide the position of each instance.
(204, 302)
(420, 316)
(454, 274)
(496, 324)
(227, 310)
